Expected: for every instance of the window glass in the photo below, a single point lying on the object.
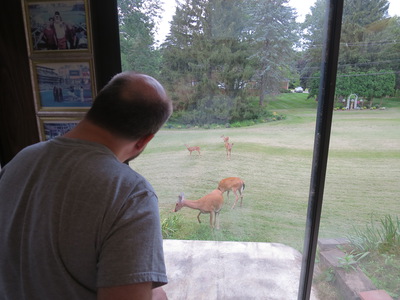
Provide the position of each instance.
(249, 71)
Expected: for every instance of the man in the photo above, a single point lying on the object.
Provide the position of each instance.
(48, 35)
(76, 222)
(61, 30)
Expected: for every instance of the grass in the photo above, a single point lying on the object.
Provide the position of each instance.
(383, 270)
(379, 244)
(274, 159)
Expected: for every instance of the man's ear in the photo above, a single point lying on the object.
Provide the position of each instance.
(143, 141)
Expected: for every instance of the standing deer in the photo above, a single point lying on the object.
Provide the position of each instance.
(194, 148)
(228, 147)
(209, 204)
(234, 184)
(225, 138)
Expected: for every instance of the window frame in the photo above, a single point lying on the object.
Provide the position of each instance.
(105, 20)
(326, 93)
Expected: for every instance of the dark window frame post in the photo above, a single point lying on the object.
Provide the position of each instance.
(325, 98)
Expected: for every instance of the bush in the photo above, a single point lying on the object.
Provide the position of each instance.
(171, 225)
(224, 111)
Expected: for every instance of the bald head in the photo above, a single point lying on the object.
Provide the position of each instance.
(131, 105)
(141, 86)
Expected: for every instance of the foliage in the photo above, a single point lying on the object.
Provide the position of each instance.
(368, 85)
(364, 13)
(220, 49)
(221, 111)
(137, 21)
(382, 238)
(383, 270)
(367, 46)
(350, 260)
(382, 242)
(170, 225)
(274, 35)
(204, 52)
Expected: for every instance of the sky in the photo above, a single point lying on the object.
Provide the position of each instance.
(302, 7)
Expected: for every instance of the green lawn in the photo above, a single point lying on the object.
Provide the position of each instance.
(274, 159)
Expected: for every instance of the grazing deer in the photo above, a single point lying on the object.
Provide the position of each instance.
(228, 147)
(234, 184)
(225, 138)
(209, 204)
(191, 149)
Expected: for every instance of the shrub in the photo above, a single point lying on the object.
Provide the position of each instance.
(171, 225)
(224, 111)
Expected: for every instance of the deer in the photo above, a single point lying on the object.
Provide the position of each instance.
(228, 147)
(209, 204)
(194, 148)
(234, 184)
(225, 138)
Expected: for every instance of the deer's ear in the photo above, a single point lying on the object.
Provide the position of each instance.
(181, 197)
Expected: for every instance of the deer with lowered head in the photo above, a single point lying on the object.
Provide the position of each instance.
(194, 148)
(209, 204)
(234, 184)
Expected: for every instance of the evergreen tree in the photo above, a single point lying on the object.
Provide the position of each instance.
(137, 19)
(368, 43)
(275, 34)
(206, 50)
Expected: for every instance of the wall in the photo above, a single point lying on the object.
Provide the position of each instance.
(18, 127)
(17, 113)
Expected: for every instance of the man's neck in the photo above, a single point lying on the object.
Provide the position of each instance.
(88, 131)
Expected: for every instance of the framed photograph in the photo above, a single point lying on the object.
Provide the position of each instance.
(57, 25)
(63, 86)
(51, 127)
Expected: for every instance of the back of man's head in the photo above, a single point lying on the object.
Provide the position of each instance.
(131, 106)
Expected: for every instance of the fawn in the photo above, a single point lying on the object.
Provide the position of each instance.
(194, 148)
(228, 147)
(225, 138)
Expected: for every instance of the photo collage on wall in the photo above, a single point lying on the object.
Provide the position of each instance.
(61, 62)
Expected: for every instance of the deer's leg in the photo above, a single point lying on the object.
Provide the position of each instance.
(212, 219)
(237, 198)
(198, 217)
(217, 220)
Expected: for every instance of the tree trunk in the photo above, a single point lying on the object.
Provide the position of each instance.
(262, 91)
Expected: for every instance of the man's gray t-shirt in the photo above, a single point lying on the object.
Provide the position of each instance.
(72, 219)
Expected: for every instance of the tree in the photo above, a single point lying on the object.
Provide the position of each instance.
(312, 38)
(382, 46)
(221, 46)
(206, 49)
(368, 44)
(137, 19)
(274, 34)
(362, 12)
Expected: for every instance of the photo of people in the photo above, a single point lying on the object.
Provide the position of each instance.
(55, 128)
(58, 25)
(64, 85)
